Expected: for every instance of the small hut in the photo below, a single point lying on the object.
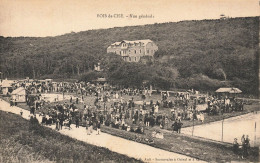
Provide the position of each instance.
(6, 86)
(228, 91)
(19, 95)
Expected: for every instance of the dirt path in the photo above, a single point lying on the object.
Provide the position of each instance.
(113, 143)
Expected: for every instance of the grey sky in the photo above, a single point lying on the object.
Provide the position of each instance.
(56, 17)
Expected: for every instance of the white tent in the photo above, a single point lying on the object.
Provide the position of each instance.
(228, 90)
(19, 94)
(6, 86)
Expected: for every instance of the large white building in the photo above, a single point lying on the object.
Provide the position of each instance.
(133, 51)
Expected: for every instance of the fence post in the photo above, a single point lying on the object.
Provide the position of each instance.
(222, 129)
(255, 134)
(192, 125)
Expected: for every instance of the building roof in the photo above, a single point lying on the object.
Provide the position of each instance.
(138, 41)
(7, 83)
(134, 42)
(116, 43)
(19, 90)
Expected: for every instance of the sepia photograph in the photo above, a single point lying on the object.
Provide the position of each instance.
(154, 81)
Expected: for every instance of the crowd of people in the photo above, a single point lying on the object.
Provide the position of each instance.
(109, 108)
(224, 105)
(118, 107)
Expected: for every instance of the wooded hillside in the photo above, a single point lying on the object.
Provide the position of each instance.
(192, 54)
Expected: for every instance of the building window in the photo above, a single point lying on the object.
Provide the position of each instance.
(135, 51)
(135, 58)
(140, 51)
(147, 51)
(130, 59)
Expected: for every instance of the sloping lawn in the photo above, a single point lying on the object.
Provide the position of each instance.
(24, 141)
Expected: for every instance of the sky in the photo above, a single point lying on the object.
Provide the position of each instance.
(40, 18)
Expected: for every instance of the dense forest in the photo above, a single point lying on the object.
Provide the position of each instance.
(203, 55)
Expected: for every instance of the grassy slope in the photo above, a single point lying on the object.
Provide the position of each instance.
(21, 141)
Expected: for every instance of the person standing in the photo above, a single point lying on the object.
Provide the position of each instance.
(77, 100)
(61, 123)
(69, 123)
(243, 146)
(11, 102)
(15, 102)
(21, 112)
(166, 122)
(156, 108)
(77, 122)
(57, 124)
(202, 117)
(235, 146)
(179, 126)
(247, 145)
(87, 126)
(247, 141)
(98, 127)
(91, 127)
(175, 126)
(33, 110)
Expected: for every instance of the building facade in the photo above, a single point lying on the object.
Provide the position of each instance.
(133, 51)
